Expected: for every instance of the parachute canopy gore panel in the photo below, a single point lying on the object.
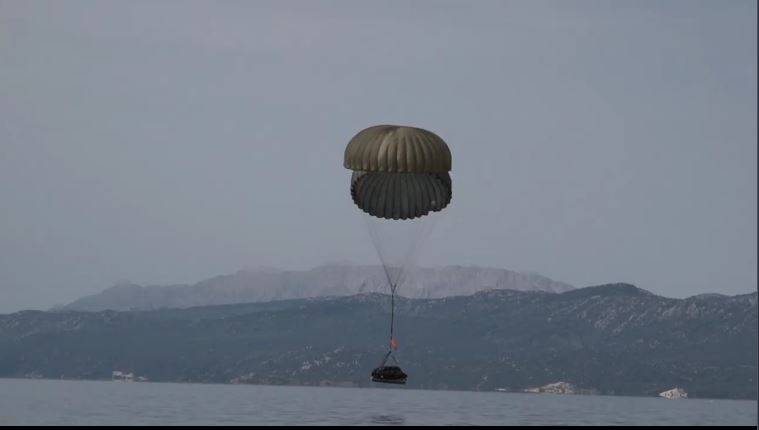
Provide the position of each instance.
(398, 149)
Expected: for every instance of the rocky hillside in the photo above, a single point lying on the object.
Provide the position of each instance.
(611, 339)
(330, 280)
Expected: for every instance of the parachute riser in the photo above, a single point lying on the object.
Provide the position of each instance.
(392, 314)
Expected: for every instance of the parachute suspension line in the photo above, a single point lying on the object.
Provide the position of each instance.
(393, 284)
(397, 245)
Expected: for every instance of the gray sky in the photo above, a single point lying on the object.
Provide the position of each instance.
(170, 141)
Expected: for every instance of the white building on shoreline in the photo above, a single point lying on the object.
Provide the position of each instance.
(674, 394)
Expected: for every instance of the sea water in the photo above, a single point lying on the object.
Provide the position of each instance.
(53, 402)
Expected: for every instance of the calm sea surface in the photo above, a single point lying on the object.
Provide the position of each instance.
(45, 402)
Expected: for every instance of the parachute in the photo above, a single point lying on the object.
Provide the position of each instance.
(400, 180)
(400, 196)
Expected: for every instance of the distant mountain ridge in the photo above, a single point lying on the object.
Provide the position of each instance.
(266, 284)
(610, 339)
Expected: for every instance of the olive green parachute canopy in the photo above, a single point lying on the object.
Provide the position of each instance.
(400, 195)
(399, 172)
(392, 148)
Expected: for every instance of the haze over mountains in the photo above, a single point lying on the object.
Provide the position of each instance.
(339, 279)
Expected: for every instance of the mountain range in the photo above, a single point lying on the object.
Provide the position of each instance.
(263, 285)
(609, 339)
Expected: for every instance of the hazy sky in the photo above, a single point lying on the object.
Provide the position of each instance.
(170, 141)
